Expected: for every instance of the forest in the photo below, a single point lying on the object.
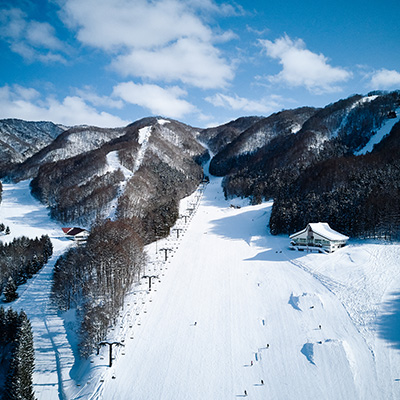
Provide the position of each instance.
(315, 175)
(17, 357)
(20, 260)
(94, 279)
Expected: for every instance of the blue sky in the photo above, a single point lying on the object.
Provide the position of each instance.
(202, 62)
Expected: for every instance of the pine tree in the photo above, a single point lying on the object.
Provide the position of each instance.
(7, 230)
(18, 384)
(26, 357)
(10, 290)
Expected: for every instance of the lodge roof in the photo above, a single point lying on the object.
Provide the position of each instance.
(323, 229)
(73, 231)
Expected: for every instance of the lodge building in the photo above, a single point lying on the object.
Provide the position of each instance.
(318, 237)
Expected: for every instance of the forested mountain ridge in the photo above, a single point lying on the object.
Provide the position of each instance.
(20, 140)
(314, 174)
(70, 143)
(257, 136)
(140, 171)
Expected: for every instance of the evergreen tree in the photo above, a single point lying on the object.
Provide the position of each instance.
(10, 290)
(25, 357)
(7, 230)
(18, 338)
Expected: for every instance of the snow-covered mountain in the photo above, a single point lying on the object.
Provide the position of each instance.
(136, 171)
(70, 143)
(20, 140)
(90, 172)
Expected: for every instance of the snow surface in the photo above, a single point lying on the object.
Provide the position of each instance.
(323, 229)
(143, 140)
(163, 121)
(232, 306)
(380, 134)
(114, 164)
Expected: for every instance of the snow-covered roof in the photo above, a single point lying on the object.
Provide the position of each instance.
(323, 229)
(73, 231)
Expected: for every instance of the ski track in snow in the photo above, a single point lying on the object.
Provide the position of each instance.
(380, 134)
(230, 306)
(114, 164)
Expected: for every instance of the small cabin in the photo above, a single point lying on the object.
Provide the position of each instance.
(318, 237)
(77, 234)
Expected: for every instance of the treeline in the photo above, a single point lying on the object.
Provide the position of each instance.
(21, 259)
(17, 358)
(94, 279)
(357, 195)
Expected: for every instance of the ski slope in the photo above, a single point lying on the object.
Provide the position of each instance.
(236, 307)
(232, 306)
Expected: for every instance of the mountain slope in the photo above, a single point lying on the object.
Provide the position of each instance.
(147, 170)
(218, 137)
(20, 139)
(258, 136)
(73, 142)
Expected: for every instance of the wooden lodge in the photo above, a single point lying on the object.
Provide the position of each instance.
(77, 234)
(318, 237)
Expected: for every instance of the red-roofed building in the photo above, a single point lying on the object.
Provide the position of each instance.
(78, 234)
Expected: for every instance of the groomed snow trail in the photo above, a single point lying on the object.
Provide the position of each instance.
(53, 353)
(233, 309)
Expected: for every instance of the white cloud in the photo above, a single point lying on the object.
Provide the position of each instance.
(301, 67)
(42, 34)
(111, 24)
(385, 79)
(89, 95)
(192, 61)
(33, 40)
(237, 103)
(25, 103)
(161, 40)
(159, 101)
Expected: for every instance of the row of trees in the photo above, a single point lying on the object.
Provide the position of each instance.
(94, 279)
(22, 258)
(17, 358)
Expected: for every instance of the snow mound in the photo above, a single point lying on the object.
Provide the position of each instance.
(305, 301)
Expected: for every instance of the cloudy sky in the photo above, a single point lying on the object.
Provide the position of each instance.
(203, 62)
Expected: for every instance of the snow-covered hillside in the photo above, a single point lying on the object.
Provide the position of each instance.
(233, 306)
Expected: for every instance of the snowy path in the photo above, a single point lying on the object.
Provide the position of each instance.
(53, 354)
(245, 291)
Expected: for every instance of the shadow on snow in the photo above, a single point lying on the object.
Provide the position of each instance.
(388, 323)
